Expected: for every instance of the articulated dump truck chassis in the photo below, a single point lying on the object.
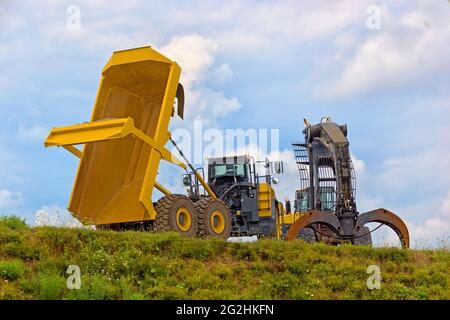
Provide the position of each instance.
(124, 143)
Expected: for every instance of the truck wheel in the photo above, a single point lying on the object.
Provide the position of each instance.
(176, 213)
(214, 218)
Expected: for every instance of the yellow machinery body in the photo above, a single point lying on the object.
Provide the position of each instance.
(124, 141)
(265, 199)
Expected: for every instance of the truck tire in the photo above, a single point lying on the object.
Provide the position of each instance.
(176, 213)
(213, 218)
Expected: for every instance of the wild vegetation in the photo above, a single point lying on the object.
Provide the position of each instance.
(140, 265)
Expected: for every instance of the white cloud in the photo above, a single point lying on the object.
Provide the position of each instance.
(213, 106)
(417, 170)
(195, 55)
(10, 199)
(221, 74)
(433, 232)
(409, 51)
(359, 166)
(55, 216)
(267, 26)
(33, 134)
(365, 201)
(434, 229)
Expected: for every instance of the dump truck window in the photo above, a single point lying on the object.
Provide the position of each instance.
(229, 169)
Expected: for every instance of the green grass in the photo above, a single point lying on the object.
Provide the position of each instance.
(137, 265)
(11, 270)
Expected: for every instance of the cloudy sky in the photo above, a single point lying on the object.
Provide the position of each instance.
(382, 67)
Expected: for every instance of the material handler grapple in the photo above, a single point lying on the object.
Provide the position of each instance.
(327, 193)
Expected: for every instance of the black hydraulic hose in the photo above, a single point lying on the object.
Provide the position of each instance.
(182, 155)
(229, 190)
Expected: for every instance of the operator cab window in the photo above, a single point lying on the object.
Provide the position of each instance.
(328, 198)
(237, 170)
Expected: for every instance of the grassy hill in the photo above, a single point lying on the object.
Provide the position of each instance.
(137, 265)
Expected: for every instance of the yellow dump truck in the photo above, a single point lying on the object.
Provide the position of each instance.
(124, 143)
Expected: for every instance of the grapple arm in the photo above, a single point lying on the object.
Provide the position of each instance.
(388, 218)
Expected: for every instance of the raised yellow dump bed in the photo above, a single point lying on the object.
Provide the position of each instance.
(124, 141)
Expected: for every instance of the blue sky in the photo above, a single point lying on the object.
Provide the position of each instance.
(252, 64)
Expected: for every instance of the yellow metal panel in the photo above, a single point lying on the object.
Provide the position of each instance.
(290, 218)
(266, 194)
(122, 57)
(161, 135)
(116, 177)
(88, 132)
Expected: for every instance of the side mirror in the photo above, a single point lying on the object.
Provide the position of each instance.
(278, 167)
(187, 180)
(275, 180)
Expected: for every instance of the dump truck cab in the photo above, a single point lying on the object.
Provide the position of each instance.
(250, 197)
(226, 172)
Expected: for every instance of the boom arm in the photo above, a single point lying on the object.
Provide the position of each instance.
(330, 165)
